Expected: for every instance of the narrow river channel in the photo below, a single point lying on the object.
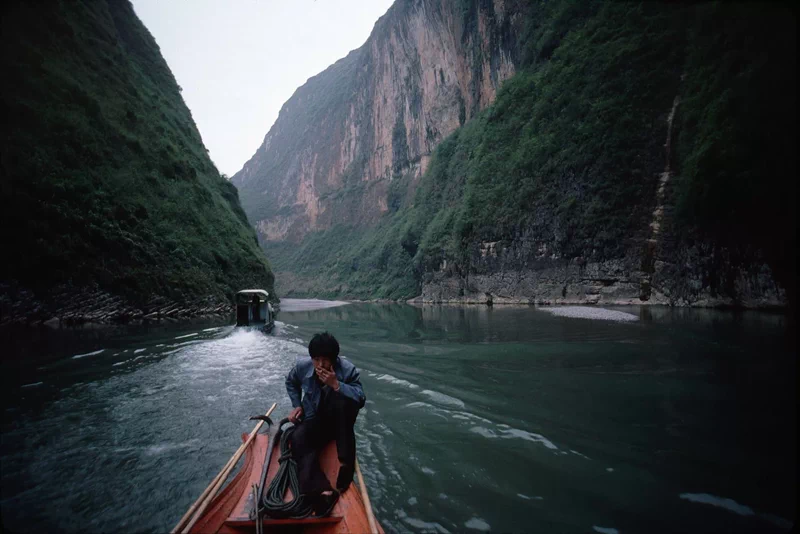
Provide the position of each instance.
(504, 419)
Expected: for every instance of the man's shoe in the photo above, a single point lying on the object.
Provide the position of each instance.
(324, 504)
(345, 476)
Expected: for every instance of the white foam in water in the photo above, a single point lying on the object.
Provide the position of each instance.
(441, 398)
(137, 351)
(721, 502)
(587, 312)
(33, 385)
(605, 530)
(420, 524)
(528, 436)
(485, 432)
(412, 501)
(476, 523)
(119, 363)
(425, 525)
(87, 354)
(472, 416)
(419, 404)
(610, 469)
(164, 447)
(385, 430)
(397, 381)
(579, 454)
(433, 410)
(428, 471)
(187, 335)
(213, 329)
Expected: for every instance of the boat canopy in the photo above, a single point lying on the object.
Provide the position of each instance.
(262, 294)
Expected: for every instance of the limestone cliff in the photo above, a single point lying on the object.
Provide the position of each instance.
(377, 114)
(636, 153)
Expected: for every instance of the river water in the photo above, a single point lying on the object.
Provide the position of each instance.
(503, 419)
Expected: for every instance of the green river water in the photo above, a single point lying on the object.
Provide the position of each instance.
(504, 419)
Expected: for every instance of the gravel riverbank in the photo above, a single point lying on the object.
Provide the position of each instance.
(589, 312)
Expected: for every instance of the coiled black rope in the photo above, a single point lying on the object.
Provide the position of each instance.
(285, 478)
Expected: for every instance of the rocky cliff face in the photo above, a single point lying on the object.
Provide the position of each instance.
(624, 160)
(376, 115)
(699, 276)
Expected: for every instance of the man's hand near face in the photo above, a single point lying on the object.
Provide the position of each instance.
(328, 377)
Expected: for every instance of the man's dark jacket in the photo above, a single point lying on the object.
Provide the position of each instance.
(302, 380)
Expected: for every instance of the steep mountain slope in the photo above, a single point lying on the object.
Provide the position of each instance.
(111, 204)
(372, 119)
(628, 160)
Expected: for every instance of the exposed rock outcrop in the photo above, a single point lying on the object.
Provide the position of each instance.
(69, 305)
(625, 161)
(608, 282)
(655, 271)
(376, 115)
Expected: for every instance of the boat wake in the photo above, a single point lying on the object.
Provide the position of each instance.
(454, 409)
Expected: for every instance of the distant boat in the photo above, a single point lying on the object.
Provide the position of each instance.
(254, 309)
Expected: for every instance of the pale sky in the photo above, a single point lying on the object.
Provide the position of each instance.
(238, 61)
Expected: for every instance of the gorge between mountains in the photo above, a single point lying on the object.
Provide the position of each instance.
(612, 171)
(470, 151)
(487, 152)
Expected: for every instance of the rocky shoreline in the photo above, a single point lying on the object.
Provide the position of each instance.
(498, 300)
(590, 312)
(500, 279)
(67, 306)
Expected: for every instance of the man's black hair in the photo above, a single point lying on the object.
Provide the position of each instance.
(324, 345)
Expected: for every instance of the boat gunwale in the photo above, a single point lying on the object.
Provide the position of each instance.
(226, 512)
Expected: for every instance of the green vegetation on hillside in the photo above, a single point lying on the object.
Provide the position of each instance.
(570, 152)
(104, 176)
(736, 133)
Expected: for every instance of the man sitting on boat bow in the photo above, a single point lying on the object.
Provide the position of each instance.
(332, 395)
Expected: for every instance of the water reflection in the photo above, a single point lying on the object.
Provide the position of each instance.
(129, 445)
(475, 417)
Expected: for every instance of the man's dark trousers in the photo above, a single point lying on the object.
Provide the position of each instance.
(335, 419)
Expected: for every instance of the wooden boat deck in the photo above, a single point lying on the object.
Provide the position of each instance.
(228, 513)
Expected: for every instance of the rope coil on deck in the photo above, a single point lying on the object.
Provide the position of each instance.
(286, 478)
